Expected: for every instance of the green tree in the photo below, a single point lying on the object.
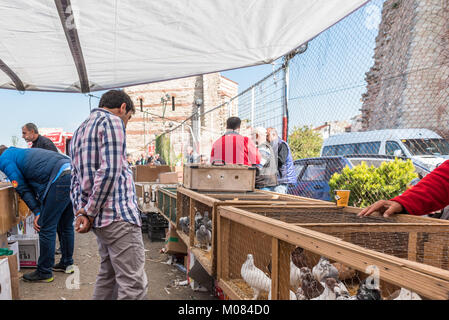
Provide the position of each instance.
(305, 142)
(14, 141)
(370, 184)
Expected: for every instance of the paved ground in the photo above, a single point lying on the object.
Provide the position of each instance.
(161, 276)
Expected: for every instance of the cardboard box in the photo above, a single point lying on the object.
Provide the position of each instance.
(29, 225)
(146, 173)
(9, 209)
(168, 177)
(28, 249)
(3, 240)
(173, 243)
(14, 246)
(5, 280)
(13, 275)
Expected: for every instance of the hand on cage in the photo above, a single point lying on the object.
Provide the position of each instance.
(383, 206)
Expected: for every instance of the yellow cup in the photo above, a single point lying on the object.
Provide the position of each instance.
(342, 197)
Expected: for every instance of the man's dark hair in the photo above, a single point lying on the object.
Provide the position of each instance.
(3, 149)
(113, 99)
(233, 123)
(31, 127)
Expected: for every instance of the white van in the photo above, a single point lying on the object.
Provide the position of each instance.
(423, 146)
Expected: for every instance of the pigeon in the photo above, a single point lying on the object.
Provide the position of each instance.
(203, 236)
(295, 276)
(206, 218)
(367, 291)
(198, 218)
(310, 287)
(328, 293)
(184, 224)
(405, 294)
(300, 259)
(324, 269)
(209, 225)
(255, 277)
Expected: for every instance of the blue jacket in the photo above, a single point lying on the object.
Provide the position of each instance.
(286, 172)
(34, 171)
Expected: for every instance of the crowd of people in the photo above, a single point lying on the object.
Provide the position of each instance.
(93, 190)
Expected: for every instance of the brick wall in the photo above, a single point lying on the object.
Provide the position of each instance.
(143, 128)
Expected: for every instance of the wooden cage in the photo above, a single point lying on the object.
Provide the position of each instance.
(408, 252)
(166, 203)
(189, 202)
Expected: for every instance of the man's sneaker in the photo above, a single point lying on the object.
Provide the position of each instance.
(58, 251)
(62, 268)
(35, 276)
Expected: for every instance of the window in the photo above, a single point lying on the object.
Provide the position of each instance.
(314, 172)
(391, 147)
(298, 168)
(420, 147)
(352, 148)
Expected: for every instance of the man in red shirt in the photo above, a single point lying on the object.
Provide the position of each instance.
(429, 195)
(233, 148)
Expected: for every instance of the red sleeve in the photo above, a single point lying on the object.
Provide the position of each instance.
(430, 194)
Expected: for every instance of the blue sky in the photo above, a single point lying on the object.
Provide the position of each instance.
(336, 59)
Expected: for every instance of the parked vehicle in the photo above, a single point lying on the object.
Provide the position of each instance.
(423, 146)
(314, 173)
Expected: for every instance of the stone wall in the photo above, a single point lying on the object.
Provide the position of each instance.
(408, 85)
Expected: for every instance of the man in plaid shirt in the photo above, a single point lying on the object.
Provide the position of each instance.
(104, 198)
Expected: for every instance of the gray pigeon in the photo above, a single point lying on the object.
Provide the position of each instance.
(209, 225)
(184, 224)
(203, 236)
(198, 218)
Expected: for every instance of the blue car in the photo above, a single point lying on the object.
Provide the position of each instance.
(314, 173)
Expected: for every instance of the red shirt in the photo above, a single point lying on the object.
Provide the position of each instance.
(430, 194)
(235, 149)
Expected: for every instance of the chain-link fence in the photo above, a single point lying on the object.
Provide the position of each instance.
(372, 88)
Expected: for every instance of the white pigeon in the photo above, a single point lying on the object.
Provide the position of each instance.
(405, 294)
(255, 277)
(324, 269)
(295, 276)
(328, 293)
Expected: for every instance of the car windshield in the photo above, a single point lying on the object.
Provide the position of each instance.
(424, 147)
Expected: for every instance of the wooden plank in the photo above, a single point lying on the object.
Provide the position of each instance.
(192, 224)
(203, 259)
(198, 196)
(223, 258)
(9, 209)
(185, 238)
(372, 227)
(275, 269)
(285, 250)
(214, 240)
(427, 281)
(232, 295)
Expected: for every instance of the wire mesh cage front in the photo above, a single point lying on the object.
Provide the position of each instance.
(361, 274)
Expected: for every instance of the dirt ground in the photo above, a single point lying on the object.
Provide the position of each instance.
(161, 276)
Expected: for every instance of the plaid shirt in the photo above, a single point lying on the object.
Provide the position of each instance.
(102, 182)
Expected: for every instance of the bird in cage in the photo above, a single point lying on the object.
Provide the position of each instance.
(324, 269)
(300, 258)
(310, 287)
(328, 293)
(295, 276)
(198, 218)
(255, 277)
(184, 224)
(368, 291)
(209, 225)
(204, 237)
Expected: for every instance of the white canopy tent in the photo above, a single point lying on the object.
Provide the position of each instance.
(86, 45)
